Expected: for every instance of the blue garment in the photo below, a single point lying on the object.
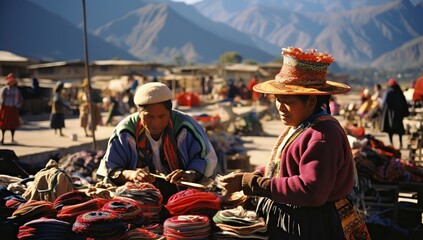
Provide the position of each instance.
(194, 150)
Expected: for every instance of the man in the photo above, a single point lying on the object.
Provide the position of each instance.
(158, 140)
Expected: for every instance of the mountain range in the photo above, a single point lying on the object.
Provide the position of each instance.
(378, 33)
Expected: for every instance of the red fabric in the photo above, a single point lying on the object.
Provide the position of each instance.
(192, 200)
(380, 148)
(391, 82)
(9, 117)
(251, 83)
(418, 90)
(188, 99)
(169, 143)
(69, 213)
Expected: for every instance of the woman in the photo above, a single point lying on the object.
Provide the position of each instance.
(57, 115)
(311, 170)
(10, 101)
(85, 115)
(394, 110)
(158, 140)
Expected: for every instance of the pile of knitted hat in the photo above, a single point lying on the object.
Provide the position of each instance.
(187, 227)
(45, 228)
(100, 225)
(126, 208)
(70, 212)
(147, 196)
(239, 223)
(193, 201)
(32, 210)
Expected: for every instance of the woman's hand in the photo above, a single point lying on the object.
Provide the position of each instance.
(179, 175)
(231, 182)
(138, 175)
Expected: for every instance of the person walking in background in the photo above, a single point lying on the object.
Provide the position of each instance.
(10, 101)
(85, 115)
(255, 96)
(417, 97)
(394, 110)
(303, 188)
(57, 116)
(112, 108)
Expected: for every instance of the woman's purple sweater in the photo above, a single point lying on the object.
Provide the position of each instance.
(316, 168)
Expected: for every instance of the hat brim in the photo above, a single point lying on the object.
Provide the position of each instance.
(273, 87)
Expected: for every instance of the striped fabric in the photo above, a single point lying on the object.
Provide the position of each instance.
(100, 225)
(187, 227)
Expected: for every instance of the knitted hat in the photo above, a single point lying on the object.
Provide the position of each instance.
(10, 79)
(151, 93)
(302, 73)
(391, 82)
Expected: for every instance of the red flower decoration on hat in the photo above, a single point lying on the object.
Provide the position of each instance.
(309, 56)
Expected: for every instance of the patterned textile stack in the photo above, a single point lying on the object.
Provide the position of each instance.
(193, 201)
(100, 225)
(45, 228)
(71, 212)
(32, 210)
(238, 223)
(127, 209)
(187, 227)
(146, 195)
(70, 198)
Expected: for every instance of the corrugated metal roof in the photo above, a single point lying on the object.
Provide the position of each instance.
(6, 56)
(57, 64)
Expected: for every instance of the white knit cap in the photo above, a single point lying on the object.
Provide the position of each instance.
(153, 92)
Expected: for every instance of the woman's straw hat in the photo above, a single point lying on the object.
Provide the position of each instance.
(302, 73)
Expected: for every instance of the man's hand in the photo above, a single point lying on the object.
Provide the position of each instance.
(179, 175)
(138, 176)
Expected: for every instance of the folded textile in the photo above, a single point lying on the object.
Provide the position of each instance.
(69, 213)
(187, 227)
(31, 210)
(45, 228)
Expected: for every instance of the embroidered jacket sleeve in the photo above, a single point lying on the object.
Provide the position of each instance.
(194, 148)
(315, 168)
(121, 151)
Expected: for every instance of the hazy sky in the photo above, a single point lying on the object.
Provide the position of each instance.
(187, 1)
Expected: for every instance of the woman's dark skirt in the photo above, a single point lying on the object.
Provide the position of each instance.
(57, 120)
(294, 222)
